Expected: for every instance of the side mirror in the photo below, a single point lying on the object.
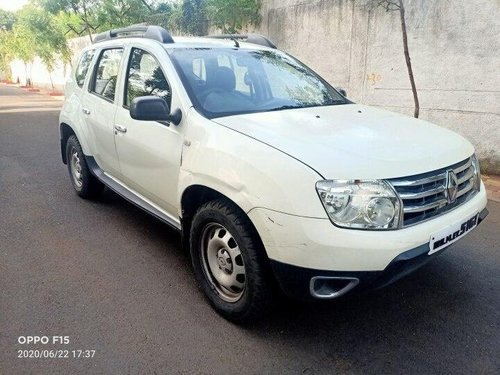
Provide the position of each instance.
(342, 91)
(153, 108)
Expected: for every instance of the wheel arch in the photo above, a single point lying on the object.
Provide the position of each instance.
(194, 196)
(65, 131)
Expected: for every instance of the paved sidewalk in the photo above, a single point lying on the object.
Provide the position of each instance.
(15, 99)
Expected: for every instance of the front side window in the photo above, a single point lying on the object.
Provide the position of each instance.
(83, 67)
(106, 73)
(224, 82)
(145, 77)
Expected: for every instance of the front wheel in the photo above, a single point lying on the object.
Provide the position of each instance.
(230, 263)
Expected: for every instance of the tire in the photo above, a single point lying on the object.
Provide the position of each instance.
(224, 245)
(84, 183)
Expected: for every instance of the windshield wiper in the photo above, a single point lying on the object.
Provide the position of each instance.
(288, 106)
(285, 107)
(337, 101)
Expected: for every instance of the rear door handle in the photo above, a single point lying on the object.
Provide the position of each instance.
(86, 111)
(120, 128)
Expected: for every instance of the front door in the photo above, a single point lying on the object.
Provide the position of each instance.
(149, 152)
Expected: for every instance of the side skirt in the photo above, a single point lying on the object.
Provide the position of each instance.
(130, 195)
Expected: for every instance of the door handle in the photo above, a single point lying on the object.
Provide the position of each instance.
(120, 128)
(86, 111)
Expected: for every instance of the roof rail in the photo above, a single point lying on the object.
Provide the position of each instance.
(249, 38)
(149, 32)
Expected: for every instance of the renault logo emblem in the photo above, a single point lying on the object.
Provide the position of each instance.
(451, 186)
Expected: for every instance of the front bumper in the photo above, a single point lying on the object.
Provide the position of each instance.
(301, 248)
(317, 244)
(304, 283)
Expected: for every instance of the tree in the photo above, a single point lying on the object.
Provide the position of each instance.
(83, 9)
(5, 52)
(69, 23)
(231, 16)
(46, 35)
(398, 5)
(166, 15)
(193, 19)
(7, 20)
(20, 45)
(120, 13)
(99, 15)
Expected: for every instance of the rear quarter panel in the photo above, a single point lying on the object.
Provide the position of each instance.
(71, 112)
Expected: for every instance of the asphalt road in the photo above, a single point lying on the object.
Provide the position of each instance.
(116, 281)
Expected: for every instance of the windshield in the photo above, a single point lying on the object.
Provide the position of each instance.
(224, 82)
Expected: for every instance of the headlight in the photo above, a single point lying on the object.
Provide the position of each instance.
(477, 172)
(369, 204)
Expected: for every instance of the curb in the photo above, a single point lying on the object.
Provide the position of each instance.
(57, 95)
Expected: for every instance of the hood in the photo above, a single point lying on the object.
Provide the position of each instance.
(354, 141)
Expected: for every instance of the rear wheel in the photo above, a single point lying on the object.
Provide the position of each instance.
(85, 184)
(230, 263)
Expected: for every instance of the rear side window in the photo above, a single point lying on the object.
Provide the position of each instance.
(106, 73)
(83, 67)
(145, 77)
(199, 70)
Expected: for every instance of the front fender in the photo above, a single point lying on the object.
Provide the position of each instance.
(249, 172)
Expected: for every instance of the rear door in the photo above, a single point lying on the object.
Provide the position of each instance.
(149, 151)
(99, 108)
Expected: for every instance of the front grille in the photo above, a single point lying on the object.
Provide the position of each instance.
(425, 195)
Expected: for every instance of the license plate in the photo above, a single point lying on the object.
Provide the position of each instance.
(451, 234)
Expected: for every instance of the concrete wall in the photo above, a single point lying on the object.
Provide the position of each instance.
(454, 46)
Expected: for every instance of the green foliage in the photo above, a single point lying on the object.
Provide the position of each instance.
(193, 19)
(69, 23)
(5, 53)
(93, 16)
(185, 16)
(231, 16)
(35, 33)
(83, 19)
(20, 44)
(193, 16)
(7, 20)
(41, 28)
(119, 13)
(45, 35)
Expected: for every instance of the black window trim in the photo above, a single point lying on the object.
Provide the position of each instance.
(125, 86)
(91, 85)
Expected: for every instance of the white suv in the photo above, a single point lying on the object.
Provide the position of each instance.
(274, 178)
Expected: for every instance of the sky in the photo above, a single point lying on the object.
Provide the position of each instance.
(12, 4)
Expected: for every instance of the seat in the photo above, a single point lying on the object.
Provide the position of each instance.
(222, 95)
(224, 79)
